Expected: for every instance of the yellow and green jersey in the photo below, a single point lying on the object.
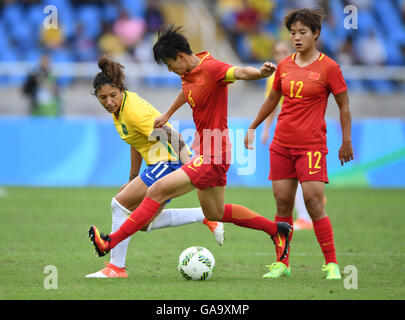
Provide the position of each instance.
(135, 124)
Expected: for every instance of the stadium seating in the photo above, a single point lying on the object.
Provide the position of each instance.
(82, 23)
(382, 18)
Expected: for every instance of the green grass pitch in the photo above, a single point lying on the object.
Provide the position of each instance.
(48, 226)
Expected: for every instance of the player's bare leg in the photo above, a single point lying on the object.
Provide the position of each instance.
(314, 192)
(132, 195)
(171, 186)
(284, 192)
(212, 201)
(303, 220)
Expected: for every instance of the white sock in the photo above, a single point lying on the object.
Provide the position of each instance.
(119, 215)
(300, 205)
(176, 217)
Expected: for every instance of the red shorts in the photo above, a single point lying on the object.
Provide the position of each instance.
(204, 173)
(301, 164)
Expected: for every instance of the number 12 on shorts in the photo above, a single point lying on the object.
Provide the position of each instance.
(317, 157)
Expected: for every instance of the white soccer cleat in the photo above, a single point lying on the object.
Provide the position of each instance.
(219, 233)
(217, 228)
(110, 271)
(97, 274)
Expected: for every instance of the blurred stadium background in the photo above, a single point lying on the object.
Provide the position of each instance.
(54, 132)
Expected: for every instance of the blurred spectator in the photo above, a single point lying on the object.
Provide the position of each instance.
(52, 38)
(153, 17)
(129, 30)
(262, 45)
(247, 19)
(245, 31)
(252, 27)
(109, 43)
(84, 46)
(42, 90)
(226, 10)
(371, 50)
(263, 7)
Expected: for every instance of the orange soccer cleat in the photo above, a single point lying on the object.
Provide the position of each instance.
(282, 240)
(101, 241)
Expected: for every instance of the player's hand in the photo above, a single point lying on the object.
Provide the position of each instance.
(345, 152)
(249, 138)
(267, 69)
(160, 121)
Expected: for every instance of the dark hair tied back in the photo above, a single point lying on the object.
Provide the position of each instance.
(111, 74)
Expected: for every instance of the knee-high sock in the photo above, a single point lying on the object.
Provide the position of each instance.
(119, 215)
(324, 234)
(289, 220)
(300, 207)
(176, 217)
(247, 218)
(136, 221)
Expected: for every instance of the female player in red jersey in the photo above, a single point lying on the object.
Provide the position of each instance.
(298, 150)
(204, 87)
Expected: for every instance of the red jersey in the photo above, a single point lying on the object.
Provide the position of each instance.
(301, 123)
(206, 91)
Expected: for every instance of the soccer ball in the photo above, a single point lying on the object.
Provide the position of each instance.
(196, 263)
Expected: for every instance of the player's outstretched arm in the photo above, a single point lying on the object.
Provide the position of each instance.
(251, 73)
(346, 150)
(267, 108)
(163, 118)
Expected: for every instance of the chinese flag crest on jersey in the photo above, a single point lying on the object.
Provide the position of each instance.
(314, 75)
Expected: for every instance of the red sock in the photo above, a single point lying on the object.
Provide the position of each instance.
(246, 218)
(324, 234)
(289, 220)
(136, 221)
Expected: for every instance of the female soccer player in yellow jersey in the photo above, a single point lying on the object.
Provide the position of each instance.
(163, 151)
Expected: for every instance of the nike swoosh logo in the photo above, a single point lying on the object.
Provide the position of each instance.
(149, 177)
(280, 243)
(284, 74)
(313, 172)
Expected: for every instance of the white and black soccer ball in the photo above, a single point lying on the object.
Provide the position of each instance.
(196, 263)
